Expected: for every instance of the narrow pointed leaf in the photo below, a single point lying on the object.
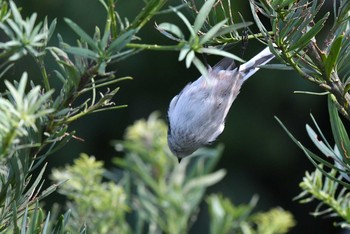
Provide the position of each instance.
(221, 53)
(320, 145)
(183, 52)
(52, 29)
(24, 221)
(83, 35)
(339, 132)
(171, 28)
(306, 38)
(16, 15)
(83, 52)
(186, 22)
(232, 28)
(189, 58)
(325, 173)
(202, 15)
(333, 55)
(200, 66)
(210, 34)
(46, 225)
(121, 41)
(205, 180)
(312, 157)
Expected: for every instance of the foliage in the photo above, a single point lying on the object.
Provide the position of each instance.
(99, 206)
(295, 40)
(34, 123)
(201, 41)
(167, 194)
(329, 183)
(334, 201)
(228, 218)
(161, 195)
(150, 187)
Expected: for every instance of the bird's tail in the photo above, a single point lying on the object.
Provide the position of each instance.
(252, 66)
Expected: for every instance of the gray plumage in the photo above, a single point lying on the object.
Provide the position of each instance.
(197, 114)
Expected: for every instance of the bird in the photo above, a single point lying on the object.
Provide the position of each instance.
(196, 116)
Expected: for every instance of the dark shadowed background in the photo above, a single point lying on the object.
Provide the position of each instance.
(259, 157)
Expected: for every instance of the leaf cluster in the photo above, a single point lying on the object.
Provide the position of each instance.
(295, 41)
(158, 193)
(333, 198)
(34, 119)
(227, 218)
(204, 34)
(330, 182)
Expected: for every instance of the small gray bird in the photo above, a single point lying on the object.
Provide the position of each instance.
(197, 114)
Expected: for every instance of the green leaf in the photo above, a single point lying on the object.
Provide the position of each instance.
(210, 34)
(171, 28)
(46, 225)
(97, 34)
(339, 132)
(104, 40)
(52, 29)
(119, 43)
(283, 67)
(185, 20)
(102, 69)
(319, 130)
(83, 35)
(15, 28)
(16, 15)
(324, 172)
(257, 20)
(200, 66)
(15, 218)
(231, 28)
(24, 221)
(189, 58)
(35, 187)
(313, 158)
(202, 15)
(320, 145)
(306, 38)
(83, 52)
(34, 219)
(221, 53)
(280, 4)
(183, 52)
(122, 55)
(333, 55)
(310, 154)
(204, 181)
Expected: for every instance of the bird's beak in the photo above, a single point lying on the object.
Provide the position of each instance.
(179, 159)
